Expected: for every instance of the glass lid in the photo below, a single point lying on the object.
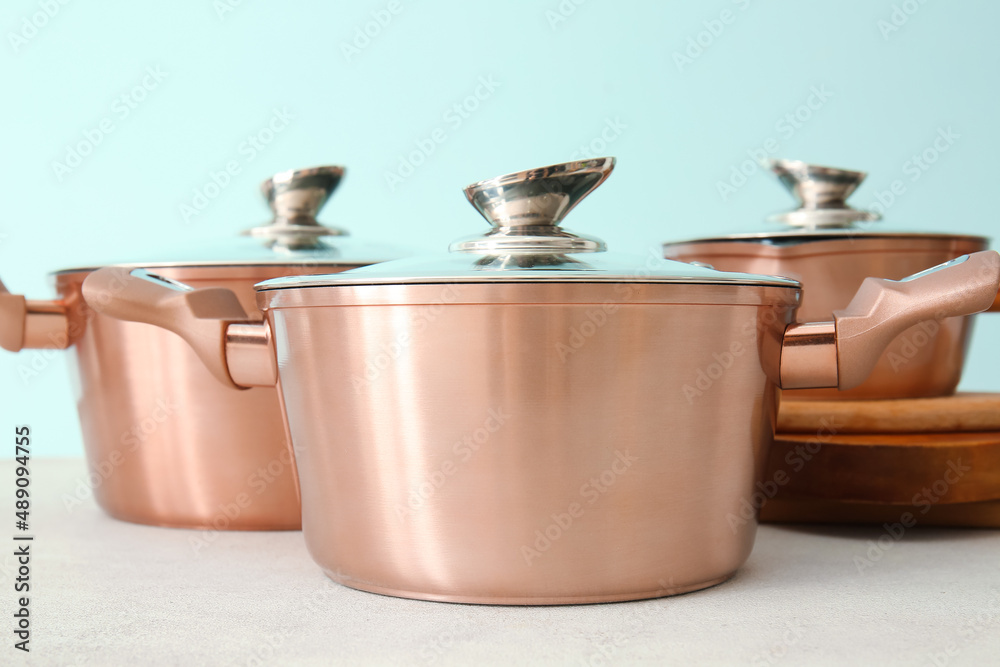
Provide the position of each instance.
(822, 212)
(527, 244)
(293, 236)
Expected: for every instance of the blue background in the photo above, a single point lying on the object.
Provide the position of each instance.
(560, 78)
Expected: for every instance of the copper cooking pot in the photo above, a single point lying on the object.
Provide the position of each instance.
(166, 444)
(830, 248)
(522, 421)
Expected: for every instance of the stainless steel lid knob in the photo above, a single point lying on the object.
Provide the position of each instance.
(822, 194)
(296, 197)
(526, 207)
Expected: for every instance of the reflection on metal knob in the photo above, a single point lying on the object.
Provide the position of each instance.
(296, 197)
(822, 194)
(526, 207)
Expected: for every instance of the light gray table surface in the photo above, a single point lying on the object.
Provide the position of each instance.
(104, 592)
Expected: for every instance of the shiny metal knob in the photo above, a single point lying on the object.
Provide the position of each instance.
(526, 207)
(296, 197)
(822, 194)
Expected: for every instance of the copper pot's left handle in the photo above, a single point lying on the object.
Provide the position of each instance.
(200, 316)
(32, 324)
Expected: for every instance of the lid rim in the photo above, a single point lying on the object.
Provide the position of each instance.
(516, 295)
(213, 265)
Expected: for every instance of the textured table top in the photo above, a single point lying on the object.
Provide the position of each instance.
(104, 592)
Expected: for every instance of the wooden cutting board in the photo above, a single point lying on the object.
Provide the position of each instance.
(984, 514)
(937, 459)
(951, 414)
(901, 469)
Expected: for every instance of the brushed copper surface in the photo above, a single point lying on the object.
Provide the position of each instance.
(166, 443)
(527, 453)
(925, 361)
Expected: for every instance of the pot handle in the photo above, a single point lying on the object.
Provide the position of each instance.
(13, 317)
(843, 353)
(31, 324)
(199, 316)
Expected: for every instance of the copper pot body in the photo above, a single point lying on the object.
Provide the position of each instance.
(925, 361)
(166, 443)
(526, 443)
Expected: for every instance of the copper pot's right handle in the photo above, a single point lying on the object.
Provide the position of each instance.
(843, 353)
(995, 308)
(201, 317)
